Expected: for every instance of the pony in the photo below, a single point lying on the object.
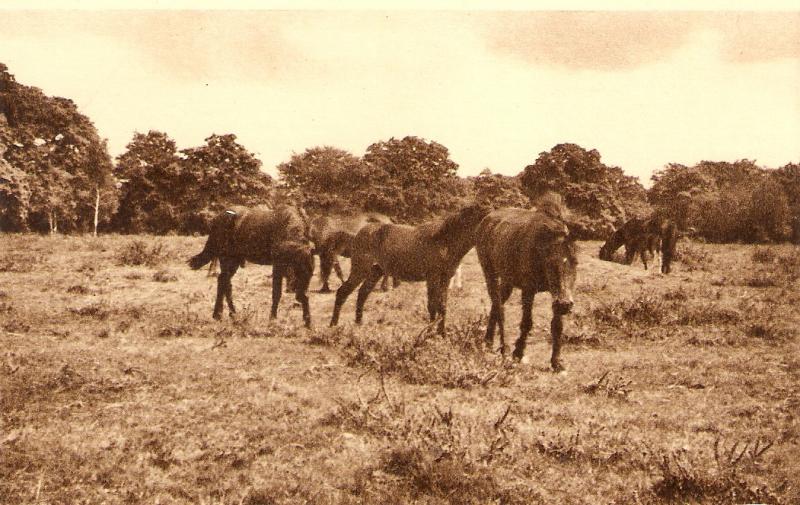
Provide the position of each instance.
(278, 237)
(646, 237)
(429, 252)
(332, 236)
(532, 250)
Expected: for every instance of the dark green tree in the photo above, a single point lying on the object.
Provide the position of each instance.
(58, 147)
(15, 195)
(219, 174)
(499, 190)
(788, 179)
(599, 196)
(420, 178)
(328, 179)
(153, 185)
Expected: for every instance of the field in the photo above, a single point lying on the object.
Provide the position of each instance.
(116, 386)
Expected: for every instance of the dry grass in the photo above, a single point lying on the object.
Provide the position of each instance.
(116, 386)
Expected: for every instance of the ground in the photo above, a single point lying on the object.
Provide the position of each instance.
(116, 386)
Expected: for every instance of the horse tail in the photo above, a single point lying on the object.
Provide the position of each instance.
(221, 229)
(669, 240)
(206, 255)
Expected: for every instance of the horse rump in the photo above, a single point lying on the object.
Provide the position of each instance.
(221, 228)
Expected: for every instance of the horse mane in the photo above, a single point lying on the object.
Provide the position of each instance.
(552, 204)
(454, 221)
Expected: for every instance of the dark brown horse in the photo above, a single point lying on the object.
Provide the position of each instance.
(429, 252)
(531, 250)
(332, 237)
(645, 237)
(277, 237)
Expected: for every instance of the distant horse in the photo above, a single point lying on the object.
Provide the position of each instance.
(534, 251)
(645, 237)
(332, 237)
(277, 237)
(429, 252)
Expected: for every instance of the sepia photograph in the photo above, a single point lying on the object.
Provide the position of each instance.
(268, 253)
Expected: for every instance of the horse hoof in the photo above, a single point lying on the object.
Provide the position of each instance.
(216, 316)
(558, 368)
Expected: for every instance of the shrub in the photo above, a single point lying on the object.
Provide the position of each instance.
(764, 255)
(137, 253)
(693, 256)
(164, 276)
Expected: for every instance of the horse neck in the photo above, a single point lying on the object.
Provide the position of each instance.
(460, 241)
(615, 241)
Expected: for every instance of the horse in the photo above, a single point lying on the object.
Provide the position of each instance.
(278, 237)
(646, 237)
(532, 250)
(332, 236)
(429, 252)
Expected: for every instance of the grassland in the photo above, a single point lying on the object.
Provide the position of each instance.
(116, 386)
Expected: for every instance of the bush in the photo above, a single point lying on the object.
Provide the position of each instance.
(137, 253)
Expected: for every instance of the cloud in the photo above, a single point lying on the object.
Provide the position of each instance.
(761, 36)
(186, 45)
(610, 41)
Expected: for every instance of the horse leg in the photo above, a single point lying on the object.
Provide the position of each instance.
(278, 272)
(431, 300)
(357, 275)
(288, 275)
(326, 262)
(366, 288)
(556, 327)
(442, 302)
(494, 297)
(338, 269)
(222, 281)
(231, 267)
(385, 283)
(630, 254)
(504, 293)
(302, 280)
(526, 324)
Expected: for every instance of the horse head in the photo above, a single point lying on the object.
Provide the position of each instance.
(560, 264)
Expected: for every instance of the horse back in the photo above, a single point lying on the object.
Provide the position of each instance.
(397, 248)
(259, 231)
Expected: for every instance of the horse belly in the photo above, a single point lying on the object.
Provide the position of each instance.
(404, 270)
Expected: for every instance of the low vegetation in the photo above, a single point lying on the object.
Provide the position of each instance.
(116, 386)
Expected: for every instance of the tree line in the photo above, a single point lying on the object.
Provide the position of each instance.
(56, 175)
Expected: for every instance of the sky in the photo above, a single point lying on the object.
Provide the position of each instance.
(644, 88)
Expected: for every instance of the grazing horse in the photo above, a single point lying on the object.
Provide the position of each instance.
(277, 237)
(428, 252)
(646, 237)
(332, 236)
(534, 251)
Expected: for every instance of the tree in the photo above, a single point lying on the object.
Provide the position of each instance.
(328, 179)
(499, 190)
(59, 148)
(15, 196)
(726, 202)
(677, 191)
(152, 184)
(219, 174)
(419, 176)
(768, 216)
(788, 179)
(599, 196)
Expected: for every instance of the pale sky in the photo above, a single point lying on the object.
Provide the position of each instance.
(496, 88)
